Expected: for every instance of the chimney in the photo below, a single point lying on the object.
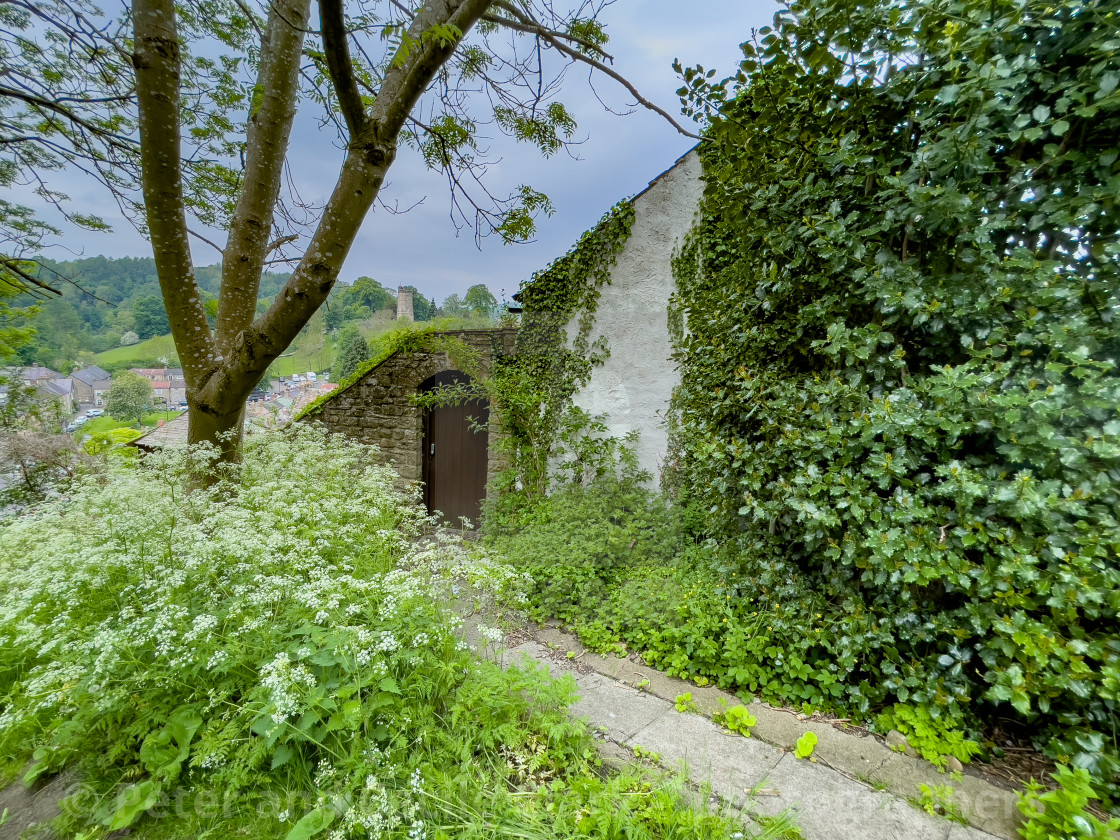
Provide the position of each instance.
(404, 304)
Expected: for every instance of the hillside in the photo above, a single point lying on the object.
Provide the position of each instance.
(103, 300)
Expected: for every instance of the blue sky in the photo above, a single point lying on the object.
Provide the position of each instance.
(619, 155)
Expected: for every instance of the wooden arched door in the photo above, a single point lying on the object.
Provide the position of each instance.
(454, 454)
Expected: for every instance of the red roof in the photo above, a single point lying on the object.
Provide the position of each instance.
(157, 384)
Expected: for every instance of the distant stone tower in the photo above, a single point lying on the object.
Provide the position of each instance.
(404, 304)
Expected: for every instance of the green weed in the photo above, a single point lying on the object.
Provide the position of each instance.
(736, 719)
(805, 745)
(938, 800)
(684, 703)
(1062, 813)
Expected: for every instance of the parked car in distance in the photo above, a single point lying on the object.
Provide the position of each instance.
(80, 421)
(95, 412)
(71, 427)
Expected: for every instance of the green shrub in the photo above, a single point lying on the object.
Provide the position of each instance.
(1060, 814)
(899, 391)
(582, 546)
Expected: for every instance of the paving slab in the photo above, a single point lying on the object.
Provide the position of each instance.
(731, 763)
(857, 787)
(610, 706)
(984, 805)
(826, 804)
(618, 709)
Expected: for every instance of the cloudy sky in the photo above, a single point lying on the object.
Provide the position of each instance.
(619, 155)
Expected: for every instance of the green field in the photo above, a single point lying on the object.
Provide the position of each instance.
(148, 352)
(106, 423)
(151, 350)
(297, 362)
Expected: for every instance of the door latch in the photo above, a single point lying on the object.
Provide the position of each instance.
(432, 451)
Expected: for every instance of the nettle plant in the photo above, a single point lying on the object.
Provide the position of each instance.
(899, 388)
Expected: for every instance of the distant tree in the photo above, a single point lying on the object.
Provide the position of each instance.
(334, 309)
(60, 330)
(150, 316)
(453, 306)
(368, 292)
(34, 454)
(353, 350)
(15, 329)
(480, 301)
(129, 338)
(130, 397)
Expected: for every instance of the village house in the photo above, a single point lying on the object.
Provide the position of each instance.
(91, 384)
(59, 390)
(162, 374)
(169, 386)
(37, 373)
(169, 391)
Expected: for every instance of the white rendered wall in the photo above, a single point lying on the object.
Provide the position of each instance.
(633, 388)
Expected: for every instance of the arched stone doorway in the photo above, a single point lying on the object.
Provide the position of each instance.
(454, 453)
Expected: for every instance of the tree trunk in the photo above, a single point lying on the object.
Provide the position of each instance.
(225, 431)
(222, 367)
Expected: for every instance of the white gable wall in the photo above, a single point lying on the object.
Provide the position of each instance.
(635, 384)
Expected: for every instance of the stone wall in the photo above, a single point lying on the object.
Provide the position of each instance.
(379, 408)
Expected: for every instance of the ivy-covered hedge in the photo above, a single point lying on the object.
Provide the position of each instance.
(898, 416)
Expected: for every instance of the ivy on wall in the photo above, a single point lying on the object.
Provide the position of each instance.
(530, 392)
(898, 325)
(533, 390)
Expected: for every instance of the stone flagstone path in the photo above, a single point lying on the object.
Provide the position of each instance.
(856, 788)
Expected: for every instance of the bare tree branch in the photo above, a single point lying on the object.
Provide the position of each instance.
(340, 66)
(541, 32)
